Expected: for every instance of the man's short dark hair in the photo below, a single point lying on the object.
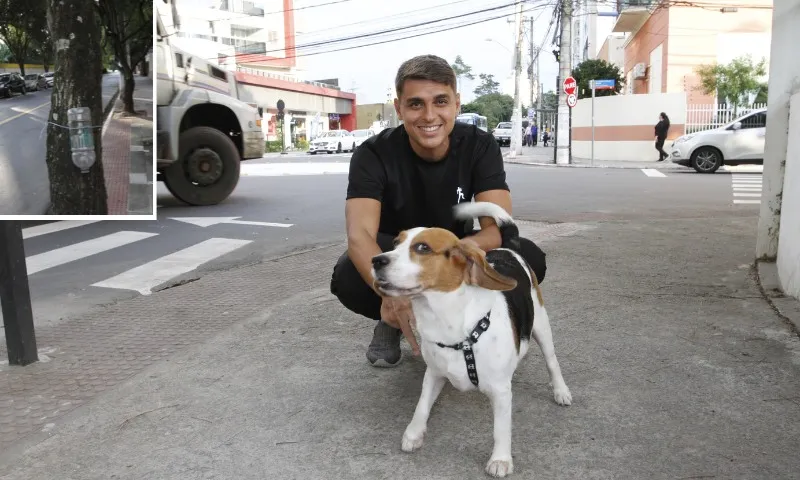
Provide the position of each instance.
(425, 67)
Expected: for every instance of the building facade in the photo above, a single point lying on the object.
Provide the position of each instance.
(664, 46)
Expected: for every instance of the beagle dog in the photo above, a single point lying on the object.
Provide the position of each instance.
(475, 314)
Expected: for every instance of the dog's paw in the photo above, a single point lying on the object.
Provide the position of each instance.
(412, 440)
(500, 467)
(562, 395)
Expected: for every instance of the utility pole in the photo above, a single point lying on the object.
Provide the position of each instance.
(516, 116)
(565, 70)
(533, 63)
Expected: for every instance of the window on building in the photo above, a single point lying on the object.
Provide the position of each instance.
(179, 60)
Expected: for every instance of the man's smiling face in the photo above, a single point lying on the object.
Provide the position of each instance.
(428, 110)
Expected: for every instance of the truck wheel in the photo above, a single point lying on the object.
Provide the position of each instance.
(207, 169)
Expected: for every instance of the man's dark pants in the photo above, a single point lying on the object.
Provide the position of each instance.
(358, 297)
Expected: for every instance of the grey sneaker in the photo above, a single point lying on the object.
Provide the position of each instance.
(384, 350)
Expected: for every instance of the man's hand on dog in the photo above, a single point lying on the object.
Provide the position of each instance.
(397, 312)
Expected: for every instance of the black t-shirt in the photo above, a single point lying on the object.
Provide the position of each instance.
(417, 193)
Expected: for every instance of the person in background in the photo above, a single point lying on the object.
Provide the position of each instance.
(528, 140)
(662, 129)
(534, 134)
(546, 136)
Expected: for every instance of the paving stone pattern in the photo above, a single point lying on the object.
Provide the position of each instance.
(82, 357)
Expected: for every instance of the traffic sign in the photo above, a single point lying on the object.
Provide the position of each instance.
(572, 100)
(604, 84)
(570, 86)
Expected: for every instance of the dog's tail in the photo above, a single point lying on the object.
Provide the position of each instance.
(508, 227)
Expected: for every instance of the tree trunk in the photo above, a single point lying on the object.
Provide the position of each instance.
(127, 90)
(78, 84)
(21, 68)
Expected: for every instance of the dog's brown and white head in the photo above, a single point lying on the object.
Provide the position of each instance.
(433, 259)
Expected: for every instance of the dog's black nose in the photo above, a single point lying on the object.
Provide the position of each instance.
(379, 261)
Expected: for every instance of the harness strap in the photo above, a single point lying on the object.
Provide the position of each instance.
(466, 347)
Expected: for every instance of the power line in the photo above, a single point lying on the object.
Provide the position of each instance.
(404, 38)
(391, 30)
(379, 19)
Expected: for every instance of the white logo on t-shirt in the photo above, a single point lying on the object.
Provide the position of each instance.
(460, 195)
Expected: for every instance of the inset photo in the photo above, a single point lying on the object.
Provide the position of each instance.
(76, 109)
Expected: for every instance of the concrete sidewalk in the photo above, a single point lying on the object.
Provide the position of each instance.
(543, 156)
(127, 154)
(678, 367)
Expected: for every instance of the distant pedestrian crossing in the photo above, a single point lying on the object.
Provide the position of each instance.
(142, 278)
(746, 188)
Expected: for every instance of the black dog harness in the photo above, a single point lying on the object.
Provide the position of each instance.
(466, 346)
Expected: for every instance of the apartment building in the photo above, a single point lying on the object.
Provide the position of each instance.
(662, 46)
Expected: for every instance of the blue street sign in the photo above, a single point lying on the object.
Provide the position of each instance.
(604, 84)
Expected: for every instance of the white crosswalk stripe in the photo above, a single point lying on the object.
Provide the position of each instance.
(71, 253)
(142, 278)
(746, 188)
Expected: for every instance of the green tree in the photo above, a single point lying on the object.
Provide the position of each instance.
(597, 69)
(496, 107)
(129, 30)
(735, 82)
(488, 85)
(21, 23)
(78, 84)
(462, 71)
(550, 101)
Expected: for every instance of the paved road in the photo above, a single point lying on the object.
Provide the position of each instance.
(101, 262)
(24, 185)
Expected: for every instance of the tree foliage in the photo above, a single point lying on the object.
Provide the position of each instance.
(597, 69)
(129, 31)
(736, 83)
(496, 107)
(487, 86)
(23, 25)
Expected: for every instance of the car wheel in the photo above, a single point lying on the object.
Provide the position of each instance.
(339, 148)
(24, 90)
(354, 147)
(706, 160)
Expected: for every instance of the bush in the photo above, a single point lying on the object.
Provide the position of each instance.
(302, 145)
(274, 146)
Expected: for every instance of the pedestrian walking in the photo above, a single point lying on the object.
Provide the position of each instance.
(661, 130)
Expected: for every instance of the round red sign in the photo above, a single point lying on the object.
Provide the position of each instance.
(570, 86)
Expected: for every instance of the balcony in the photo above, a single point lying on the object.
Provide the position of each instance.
(631, 14)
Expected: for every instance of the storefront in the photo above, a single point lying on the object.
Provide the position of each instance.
(310, 109)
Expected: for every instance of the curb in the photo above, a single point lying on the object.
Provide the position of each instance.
(580, 165)
(787, 307)
(111, 103)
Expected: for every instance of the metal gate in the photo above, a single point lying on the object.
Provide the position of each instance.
(546, 120)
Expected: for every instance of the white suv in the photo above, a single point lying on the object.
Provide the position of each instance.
(337, 141)
(740, 141)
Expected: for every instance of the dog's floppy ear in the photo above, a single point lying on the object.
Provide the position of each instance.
(477, 270)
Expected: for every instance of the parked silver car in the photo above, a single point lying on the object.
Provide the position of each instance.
(740, 141)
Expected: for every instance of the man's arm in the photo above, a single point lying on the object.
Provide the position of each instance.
(488, 237)
(362, 219)
(489, 181)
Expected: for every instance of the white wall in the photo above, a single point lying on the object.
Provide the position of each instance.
(623, 110)
(621, 116)
(789, 245)
(784, 81)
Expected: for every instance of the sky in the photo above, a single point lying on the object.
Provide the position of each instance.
(370, 70)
